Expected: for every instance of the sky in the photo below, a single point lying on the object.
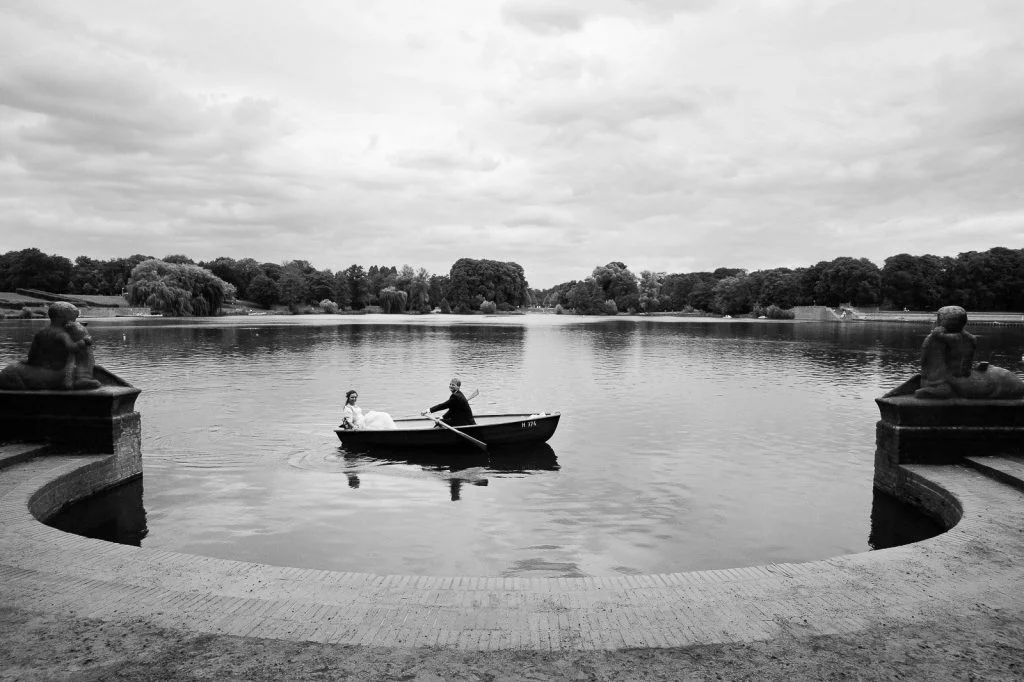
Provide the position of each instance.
(671, 135)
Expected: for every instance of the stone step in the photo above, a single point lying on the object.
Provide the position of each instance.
(1008, 469)
(12, 453)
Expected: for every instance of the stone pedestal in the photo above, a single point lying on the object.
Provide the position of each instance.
(98, 421)
(916, 431)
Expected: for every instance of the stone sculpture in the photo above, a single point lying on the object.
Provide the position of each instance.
(60, 358)
(948, 369)
(85, 359)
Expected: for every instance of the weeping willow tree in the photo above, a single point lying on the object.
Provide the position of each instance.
(177, 289)
(419, 296)
(392, 300)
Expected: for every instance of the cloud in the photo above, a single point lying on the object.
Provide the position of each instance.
(607, 110)
(665, 134)
(539, 216)
(544, 18)
(442, 160)
(557, 17)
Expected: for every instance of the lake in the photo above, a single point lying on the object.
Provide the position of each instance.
(684, 444)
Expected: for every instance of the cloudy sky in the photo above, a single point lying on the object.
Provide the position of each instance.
(673, 135)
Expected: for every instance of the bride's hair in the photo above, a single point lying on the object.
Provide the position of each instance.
(349, 394)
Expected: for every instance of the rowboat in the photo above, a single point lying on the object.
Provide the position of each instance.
(495, 430)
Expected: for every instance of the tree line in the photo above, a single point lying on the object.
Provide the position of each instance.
(991, 280)
(988, 280)
(177, 285)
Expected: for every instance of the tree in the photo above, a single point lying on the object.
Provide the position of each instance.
(988, 280)
(225, 268)
(438, 289)
(650, 290)
(404, 278)
(809, 279)
(684, 291)
(380, 278)
(474, 281)
(33, 269)
(586, 297)
(341, 291)
(732, 296)
(702, 296)
(914, 282)
(722, 273)
(320, 285)
(292, 285)
(238, 273)
(271, 270)
(618, 284)
(358, 286)
(118, 271)
(263, 291)
(419, 292)
(780, 286)
(180, 290)
(392, 300)
(86, 276)
(848, 280)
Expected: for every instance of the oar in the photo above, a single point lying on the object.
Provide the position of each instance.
(479, 443)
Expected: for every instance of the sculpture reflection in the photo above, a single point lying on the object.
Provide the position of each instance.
(895, 523)
(115, 515)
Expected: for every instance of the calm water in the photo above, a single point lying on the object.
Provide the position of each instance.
(683, 445)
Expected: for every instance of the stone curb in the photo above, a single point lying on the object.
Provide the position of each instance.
(977, 563)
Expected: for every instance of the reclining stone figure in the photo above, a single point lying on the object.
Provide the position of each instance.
(948, 369)
(60, 358)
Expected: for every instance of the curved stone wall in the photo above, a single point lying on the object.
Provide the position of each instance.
(42, 568)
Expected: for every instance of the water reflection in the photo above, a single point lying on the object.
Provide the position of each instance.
(115, 515)
(895, 523)
(475, 349)
(684, 445)
(456, 468)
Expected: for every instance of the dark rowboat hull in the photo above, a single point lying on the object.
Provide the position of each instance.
(495, 430)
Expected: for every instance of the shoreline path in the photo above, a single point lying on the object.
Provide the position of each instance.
(73, 608)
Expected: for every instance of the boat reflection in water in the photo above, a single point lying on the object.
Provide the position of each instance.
(456, 467)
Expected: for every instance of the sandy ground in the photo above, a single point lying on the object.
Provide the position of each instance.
(980, 645)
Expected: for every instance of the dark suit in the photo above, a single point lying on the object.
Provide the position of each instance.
(459, 413)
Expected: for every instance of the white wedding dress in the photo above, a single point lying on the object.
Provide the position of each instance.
(372, 420)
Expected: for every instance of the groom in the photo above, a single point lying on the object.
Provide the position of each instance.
(459, 412)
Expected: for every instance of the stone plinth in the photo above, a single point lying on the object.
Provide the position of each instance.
(98, 421)
(916, 431)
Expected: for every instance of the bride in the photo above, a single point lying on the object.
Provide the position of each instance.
(353, 417)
